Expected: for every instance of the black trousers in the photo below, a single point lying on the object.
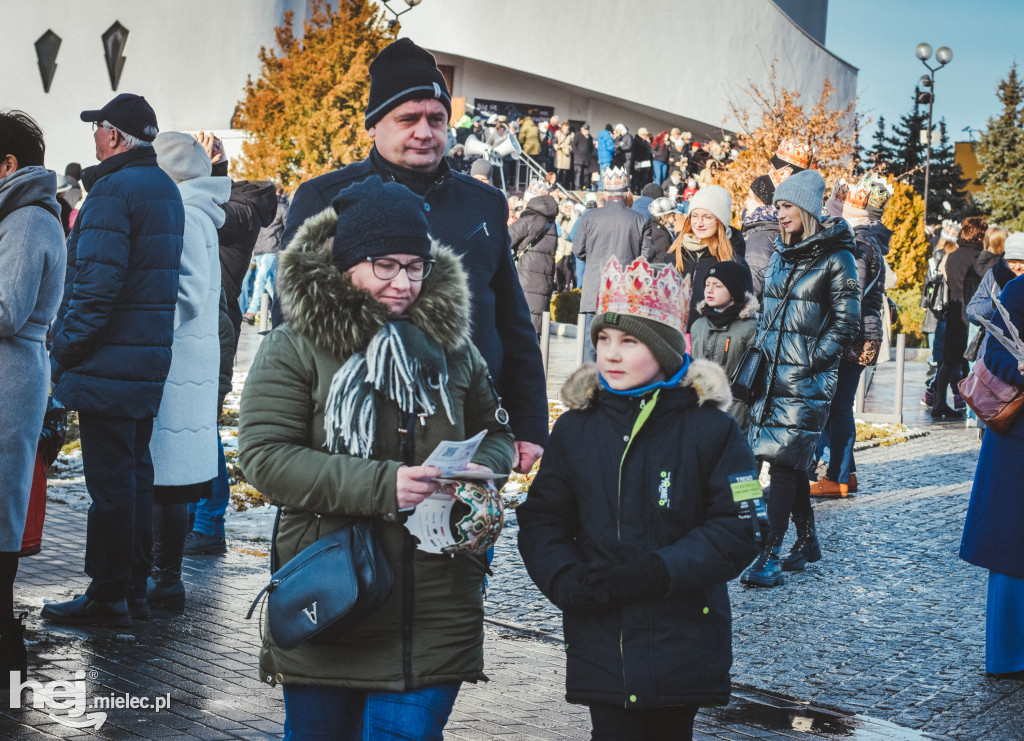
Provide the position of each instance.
(614, 723)
(789, 494)
(119, 477)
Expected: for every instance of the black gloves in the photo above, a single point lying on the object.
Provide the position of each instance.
(641, 579)
(574, 596)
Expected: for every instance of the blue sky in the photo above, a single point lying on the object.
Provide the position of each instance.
(879, 37)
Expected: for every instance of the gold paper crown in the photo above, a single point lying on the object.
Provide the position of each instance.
(658, 293)
(778, 174)
(615, 178)
(857, 196)
(795, 153)
(868, 192)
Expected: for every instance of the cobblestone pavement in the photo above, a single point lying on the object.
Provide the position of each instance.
(881, 640)
(890, 624)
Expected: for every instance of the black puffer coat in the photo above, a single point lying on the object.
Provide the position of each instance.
(871, 276)
(804, 344)
(673, 498)
(534, 243)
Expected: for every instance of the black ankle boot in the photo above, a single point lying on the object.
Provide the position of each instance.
(13, 657)
(806, 549)
(766, 571)
(165, 590)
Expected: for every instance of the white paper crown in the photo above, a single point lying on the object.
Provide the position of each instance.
(615, 178)
(658, 293)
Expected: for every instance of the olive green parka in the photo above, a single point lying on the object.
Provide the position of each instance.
(429, 631)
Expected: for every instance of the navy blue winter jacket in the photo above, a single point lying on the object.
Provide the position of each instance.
(112, 339)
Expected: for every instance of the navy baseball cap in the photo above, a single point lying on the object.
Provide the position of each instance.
(128, 112)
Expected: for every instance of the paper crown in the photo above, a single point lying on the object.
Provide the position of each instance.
(779, 174)
(615, 179)
(870, 191)
(792, 152)
(950, 230)
(658, 293)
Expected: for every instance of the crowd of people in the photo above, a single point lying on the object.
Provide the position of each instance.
(407, 305)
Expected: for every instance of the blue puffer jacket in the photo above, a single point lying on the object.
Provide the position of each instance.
(605, 147)
(112, 340)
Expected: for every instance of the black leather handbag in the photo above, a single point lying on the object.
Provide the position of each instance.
(327, 587)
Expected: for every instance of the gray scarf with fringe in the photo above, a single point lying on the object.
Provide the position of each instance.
(402, 364)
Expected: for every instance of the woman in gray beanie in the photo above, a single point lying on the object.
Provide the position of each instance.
(811, 314)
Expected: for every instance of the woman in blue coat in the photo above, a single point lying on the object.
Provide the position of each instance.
(994, 531)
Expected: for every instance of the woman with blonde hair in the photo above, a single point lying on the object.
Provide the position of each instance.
(704, 240)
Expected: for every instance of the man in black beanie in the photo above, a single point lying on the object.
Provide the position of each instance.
(407, 118)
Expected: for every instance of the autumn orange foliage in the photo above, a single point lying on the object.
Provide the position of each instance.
(305, 111)
(776, 114)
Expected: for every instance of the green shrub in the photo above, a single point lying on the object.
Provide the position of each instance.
(565, 306)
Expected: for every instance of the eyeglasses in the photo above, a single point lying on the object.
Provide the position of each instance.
(385, 268)
(701, 218)
(97, 125)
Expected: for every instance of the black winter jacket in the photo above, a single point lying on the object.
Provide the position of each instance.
(534, 243)
(871, 276)
(112, 338)
(471, 218)
(251, 207)
(582, 149)
(804, 343)
(697, 265)
(614, 486)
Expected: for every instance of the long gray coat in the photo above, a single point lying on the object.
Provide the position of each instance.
(33, 257)
(601, 234)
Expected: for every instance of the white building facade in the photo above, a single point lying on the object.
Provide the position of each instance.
(653, 63)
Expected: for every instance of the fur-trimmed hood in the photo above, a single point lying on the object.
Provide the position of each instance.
(750, 309)
(707, 379)
(321, 303)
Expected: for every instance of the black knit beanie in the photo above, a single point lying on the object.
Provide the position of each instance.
(377, 218)
(733, 276)
(652, 190)
(666, 344)
(764, 189)
(401, 72)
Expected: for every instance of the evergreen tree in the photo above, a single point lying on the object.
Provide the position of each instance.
(1001, 156)
(947, 184)
(906, 149)
(880, 156)
(305, 112)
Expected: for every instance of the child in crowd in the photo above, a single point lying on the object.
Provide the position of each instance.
(640, 513)
(727, 323)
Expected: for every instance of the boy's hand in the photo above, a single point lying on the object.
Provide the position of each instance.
(634, 581)
(575, 597)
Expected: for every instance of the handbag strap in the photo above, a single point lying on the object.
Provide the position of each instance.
(795, 278)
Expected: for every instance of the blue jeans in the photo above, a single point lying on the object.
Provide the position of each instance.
(266, 275)
(580, 267)
(842, 431)
(315, 713)
(210, 512)
(660, 171)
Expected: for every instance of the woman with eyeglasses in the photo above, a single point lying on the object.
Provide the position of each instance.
(343, 403)
(704, 240)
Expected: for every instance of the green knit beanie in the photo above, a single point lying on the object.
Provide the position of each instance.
(667, 345)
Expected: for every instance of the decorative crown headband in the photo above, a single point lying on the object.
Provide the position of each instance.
(615, 178)
(655, 292)
(792, 152)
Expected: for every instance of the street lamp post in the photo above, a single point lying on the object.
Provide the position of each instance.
(944, 55)
(410, 3)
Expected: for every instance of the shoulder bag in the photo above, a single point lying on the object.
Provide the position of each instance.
(327, 587)
(996, 402)
(746, 379)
